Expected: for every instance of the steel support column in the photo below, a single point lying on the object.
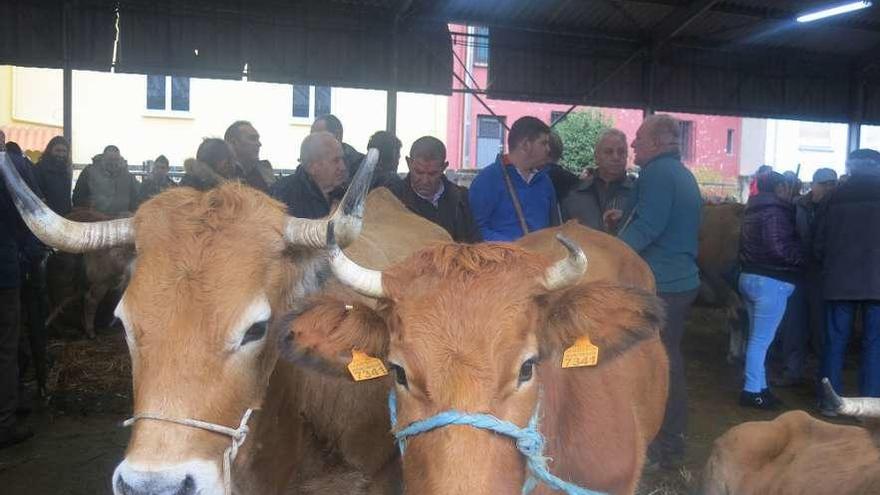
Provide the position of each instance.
(67, 89)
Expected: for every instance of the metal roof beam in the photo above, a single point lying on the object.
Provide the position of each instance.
(676, 22)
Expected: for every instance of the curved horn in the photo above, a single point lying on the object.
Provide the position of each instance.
(55, 230)
(348, 217)
(568, 271)
(362, 280)
(862, 407)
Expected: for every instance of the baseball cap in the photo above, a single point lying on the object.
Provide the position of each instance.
(824, 175)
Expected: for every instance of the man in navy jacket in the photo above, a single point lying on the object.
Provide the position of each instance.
(490, 198)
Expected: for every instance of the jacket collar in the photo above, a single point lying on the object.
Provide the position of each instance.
(669, 154)
(627, 182)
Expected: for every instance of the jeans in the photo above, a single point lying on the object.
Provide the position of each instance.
(765, 299)
(837, 330)
(669, 443)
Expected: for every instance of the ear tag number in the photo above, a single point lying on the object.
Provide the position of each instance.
(582, 353)
(363, 367)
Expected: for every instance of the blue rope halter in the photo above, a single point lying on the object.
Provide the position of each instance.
(529, 441)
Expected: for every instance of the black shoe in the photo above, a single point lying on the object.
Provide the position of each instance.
(772, 399)
(756, 400)
(14, 434)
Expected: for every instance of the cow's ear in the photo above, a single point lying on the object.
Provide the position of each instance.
(614, 318)
(323, 335)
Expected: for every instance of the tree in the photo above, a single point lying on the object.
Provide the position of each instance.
(579, 132)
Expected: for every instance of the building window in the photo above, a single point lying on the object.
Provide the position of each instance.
(728, 148)
(311, 101)
(687, 140)
(159, 97)
(481, 45)
(322, 100)
(301, 106)
(490, 139)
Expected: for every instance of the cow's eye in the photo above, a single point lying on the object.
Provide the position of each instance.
(399, 375)
(256, 332)
(527, 370)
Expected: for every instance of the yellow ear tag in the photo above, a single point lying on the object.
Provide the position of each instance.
(582, 353)
(363, 367)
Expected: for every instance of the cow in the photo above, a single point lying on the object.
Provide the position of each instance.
(717, 259)
(215, 411)
(481, 329)
(104, 271)
(796, 454)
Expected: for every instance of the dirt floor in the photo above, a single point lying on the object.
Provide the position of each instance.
(79, 438)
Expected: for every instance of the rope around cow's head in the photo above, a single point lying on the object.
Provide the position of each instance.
(529, 441)
(238, 436)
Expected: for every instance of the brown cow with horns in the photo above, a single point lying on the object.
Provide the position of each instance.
(481, 329)
(212, 270)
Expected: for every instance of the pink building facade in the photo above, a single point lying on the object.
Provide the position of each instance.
(711, 144)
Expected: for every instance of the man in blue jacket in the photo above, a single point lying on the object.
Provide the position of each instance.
(490, 196)
(664, 232)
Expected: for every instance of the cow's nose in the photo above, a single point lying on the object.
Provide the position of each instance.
(128, 481)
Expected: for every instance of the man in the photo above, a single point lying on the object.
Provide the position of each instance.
(12, 236)
(602, 200)
(214, 164)
(389, 156)
(308, 193)
(563, 180)
(664, 232)
(244, 140)
(329, 123)
(107, 186)
(428, 193)
(848, 244)
(805, 312)
(513, 196)
(158, 179)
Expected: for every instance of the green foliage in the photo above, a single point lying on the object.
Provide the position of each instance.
(579, 132)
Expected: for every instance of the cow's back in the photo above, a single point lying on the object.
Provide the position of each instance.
(609, 258)
(719, 248)
(793, 454)
(600, 420)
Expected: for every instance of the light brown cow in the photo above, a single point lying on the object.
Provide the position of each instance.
(717, 260)
(797, 454)
(212, 270)
(482, 329)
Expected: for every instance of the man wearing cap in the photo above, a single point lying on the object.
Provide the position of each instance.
(805, 314)
(847, 242)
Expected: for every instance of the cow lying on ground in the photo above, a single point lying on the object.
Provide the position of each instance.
(797, 454)
(481, 329)
(212, 270)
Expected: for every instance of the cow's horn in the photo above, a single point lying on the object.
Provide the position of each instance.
(55, 230)
(364, 281)
(348, 217)
(862, 407)
(568, 271)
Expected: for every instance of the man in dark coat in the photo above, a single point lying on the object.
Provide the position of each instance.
(428, 193)
(13, 236)
(330, 123)
(244, 141)
(388, 146)
(847, 243)
(158, 179)
(603, 200)
(310, 192)
(107, 186)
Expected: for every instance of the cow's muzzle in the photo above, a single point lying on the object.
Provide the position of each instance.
(198, 477)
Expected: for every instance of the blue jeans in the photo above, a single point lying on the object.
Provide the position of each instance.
(837, 329)
(765, 299)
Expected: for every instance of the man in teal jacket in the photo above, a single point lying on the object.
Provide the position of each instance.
(664, 230)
